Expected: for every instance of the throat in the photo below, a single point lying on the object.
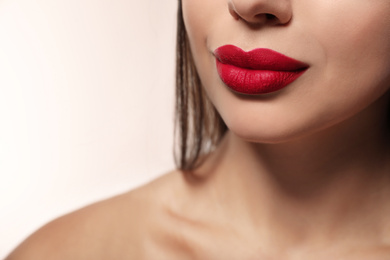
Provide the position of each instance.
(299, 195)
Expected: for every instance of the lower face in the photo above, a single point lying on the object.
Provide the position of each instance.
(345, 44)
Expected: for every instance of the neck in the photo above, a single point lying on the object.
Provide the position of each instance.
(321, 187)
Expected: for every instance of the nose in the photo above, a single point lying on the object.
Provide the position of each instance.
(260, 12)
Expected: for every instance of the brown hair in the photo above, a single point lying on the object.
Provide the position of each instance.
(198, 126)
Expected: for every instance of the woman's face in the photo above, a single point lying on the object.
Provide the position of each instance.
(345, 45)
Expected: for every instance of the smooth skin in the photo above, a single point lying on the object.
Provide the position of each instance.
(303, 173)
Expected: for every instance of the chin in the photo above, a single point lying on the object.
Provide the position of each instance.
(264, 134)
(273, 132)
(265, 137)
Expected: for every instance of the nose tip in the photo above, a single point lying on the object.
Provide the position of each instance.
(259, 12)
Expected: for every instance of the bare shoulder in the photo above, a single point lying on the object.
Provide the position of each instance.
(133, 225)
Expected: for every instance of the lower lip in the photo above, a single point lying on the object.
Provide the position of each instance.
(255, 82)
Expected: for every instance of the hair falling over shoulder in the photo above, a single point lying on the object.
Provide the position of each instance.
(198, 126)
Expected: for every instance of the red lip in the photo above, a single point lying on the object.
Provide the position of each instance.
(258, 71)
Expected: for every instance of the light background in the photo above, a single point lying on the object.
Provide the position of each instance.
(86, 104)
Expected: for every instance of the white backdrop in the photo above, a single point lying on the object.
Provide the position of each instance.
(86, 104)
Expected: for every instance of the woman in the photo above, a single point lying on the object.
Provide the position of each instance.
(302, 172)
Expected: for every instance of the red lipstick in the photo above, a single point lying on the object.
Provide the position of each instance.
(258, 71)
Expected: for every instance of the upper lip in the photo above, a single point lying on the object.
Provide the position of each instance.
(257, 59)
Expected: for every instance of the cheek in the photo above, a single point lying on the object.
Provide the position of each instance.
(355, 36)
(355, 61)
(196, 20)
(203, 20)
(199, 18)
(192, 19)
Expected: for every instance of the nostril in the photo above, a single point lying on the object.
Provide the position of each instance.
(261, 12)
(270, 16)
(264, 18)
